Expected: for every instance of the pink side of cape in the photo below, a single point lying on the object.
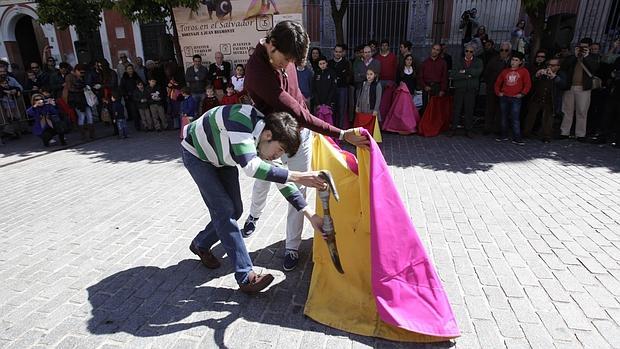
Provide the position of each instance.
(407, 289)
(403, 116)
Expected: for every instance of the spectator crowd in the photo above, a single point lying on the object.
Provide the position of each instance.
(573, 93)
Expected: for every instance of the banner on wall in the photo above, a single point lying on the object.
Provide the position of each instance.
(230, 26)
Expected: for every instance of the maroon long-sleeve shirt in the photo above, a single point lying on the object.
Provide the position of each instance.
(274, 91)
(433, 71)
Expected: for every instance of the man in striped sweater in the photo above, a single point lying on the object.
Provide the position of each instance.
(212, 147)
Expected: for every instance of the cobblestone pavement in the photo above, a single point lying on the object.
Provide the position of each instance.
(93, 249)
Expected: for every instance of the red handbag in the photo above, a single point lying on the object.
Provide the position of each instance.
(365, 120)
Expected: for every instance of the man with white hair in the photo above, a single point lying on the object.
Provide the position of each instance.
(492, 70)
(219, 73)
(466, 80)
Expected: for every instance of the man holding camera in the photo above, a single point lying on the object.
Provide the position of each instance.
(468, 25)
(544, 93)
(579, 69)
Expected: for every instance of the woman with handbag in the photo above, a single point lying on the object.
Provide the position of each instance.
(45, 116)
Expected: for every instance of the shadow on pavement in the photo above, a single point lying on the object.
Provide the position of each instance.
(149, 301)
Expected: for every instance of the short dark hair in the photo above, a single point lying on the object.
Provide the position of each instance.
(291, 39)
(284, 129)
(116, 95)
(64, 65)
(586, 41)
(372, 42)
(407, 44)
(240, 65)
(342, 46)
(542, 50)
(197, 56)
(519, 55)
(186, 90)
(80, 67)
(385, 41)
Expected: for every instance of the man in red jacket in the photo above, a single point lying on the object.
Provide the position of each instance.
(271, 82)
(511, 86)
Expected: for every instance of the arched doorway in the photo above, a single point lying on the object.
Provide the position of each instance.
(28, 40)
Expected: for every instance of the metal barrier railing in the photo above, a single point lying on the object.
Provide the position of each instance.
(13, 119)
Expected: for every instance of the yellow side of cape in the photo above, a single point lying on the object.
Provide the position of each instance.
(345, 301)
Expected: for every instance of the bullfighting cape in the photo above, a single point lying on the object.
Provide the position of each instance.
(389, 288)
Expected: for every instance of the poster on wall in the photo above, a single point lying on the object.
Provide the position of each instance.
(230, 26)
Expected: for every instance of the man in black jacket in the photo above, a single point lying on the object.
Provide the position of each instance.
(491, 71)
(579, 69)
(219, 74)
(344, 74)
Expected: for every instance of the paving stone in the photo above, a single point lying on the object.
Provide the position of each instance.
(574, 317)
(537, 336)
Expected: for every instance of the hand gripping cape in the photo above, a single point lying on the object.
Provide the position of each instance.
(390, 288)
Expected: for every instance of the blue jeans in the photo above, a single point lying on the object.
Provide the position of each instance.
(342, 106)
(219, 188)
(85, 116)
(121, 124)
(511, 111)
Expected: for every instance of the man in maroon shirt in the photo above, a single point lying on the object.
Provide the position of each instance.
(433, 75)
(271, 82)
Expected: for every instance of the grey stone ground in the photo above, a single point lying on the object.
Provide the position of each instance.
(93, 249)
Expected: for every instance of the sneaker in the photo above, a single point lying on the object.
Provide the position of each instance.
(249, 227)
(501, 139)
(256, 283)
(291, 258)
(206, 257)
(518, 142)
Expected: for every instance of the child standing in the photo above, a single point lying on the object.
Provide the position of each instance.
(210, 101)
(511, 86)
(238, 79)
(140, 99)
(324, 86)
(231, 96)
(155, 100)
(368, 101)
(118, 116)
(187, 110)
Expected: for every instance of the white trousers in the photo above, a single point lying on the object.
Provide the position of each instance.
(575, 103)
(294, 220)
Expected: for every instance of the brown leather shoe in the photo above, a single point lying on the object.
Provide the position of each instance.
(256, 283)
(206, 257)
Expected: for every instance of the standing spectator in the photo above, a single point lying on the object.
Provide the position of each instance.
(74, 95)
(518, 38)
(433, 75)
(238, 78)
(140, 69)
(129, 81)
(219, 73)
(141, 102)
(361, 67)
(512, 84)
(175, 80)
(45, 117)
(488, 52)
(576, 100)
(404, 49)
(324, 85)
(492, 70)
(315, 55)
(407, 74)
(155, 98)
(187, 110)
(231, 96)
(373, 44)
(210, 100)
(20, 74)
(539, 62)
(613, 53)
(118, 115)
(196, 77)
(596, 111)
(122, 65)
(389, 64)
(468, 26)
(481, 34)
(446, 56)
(344, 74)
(32, 83)
(369, 96)
(305, 76)
(57, 81)
(50, 66)
(545, 90)
(466, 80)
(42, 78)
